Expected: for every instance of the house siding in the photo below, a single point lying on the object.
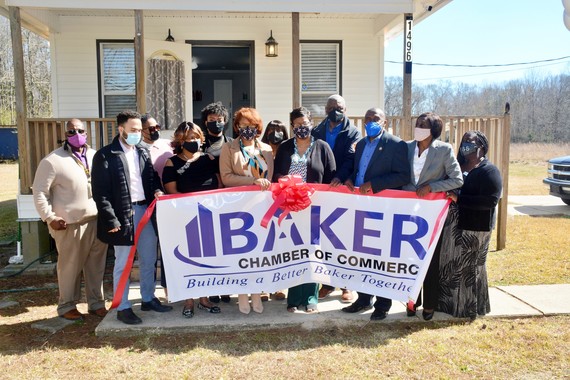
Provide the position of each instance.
(75, 56)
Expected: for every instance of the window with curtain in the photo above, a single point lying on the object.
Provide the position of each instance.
(320, 74)
(117, 73)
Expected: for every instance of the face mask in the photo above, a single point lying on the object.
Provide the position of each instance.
(215, 127)
(77, 140)
(133, 138)
(191, 146)
(302, 132)
(335, 116)
(154, 135)
(248, 133)
(420, 134)
(372, 129)
(275, 137)
(468, 148)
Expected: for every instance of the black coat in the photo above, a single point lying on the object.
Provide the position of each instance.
(389, 167)
(478, 197)
(320, 166)
(344, 146)
(112, 191)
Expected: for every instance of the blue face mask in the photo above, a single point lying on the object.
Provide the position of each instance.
(373, 129)
(468, 148)
(133, 138)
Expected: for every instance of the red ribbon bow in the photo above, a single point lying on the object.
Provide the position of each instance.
(290, 194)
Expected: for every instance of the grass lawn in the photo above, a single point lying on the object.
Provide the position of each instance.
(8, 211)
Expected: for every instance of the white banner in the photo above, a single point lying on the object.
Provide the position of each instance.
(213, 242)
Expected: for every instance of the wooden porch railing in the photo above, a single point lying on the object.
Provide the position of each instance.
(47, 134)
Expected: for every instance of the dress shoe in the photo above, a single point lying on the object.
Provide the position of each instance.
(214, 299)
(324, 293)
(378, 315)
(188, 311)
(128, 316)
(72, 315)
(410, 312)
(155, 305)
(212, 309)
(264, 297)
(427, 315)
(101, 312)
(355, 308)
(278, 295)
(347, 296)
(226, 299)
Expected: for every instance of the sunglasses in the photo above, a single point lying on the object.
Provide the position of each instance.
(154, 129)
(73, 132)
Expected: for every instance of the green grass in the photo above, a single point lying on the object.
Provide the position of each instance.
(8, 208)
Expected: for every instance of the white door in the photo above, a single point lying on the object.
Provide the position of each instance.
(223, 93)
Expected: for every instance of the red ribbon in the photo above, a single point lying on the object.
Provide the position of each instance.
(290, 194)
(118, 296)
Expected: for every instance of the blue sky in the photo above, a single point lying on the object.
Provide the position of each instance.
(486, 32)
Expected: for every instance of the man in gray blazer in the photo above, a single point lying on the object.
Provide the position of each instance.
(380, 163)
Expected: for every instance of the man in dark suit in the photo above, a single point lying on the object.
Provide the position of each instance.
(341, 135)
(380, 162)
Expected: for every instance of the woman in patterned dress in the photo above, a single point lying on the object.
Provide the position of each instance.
(312, 160)
(464, 290)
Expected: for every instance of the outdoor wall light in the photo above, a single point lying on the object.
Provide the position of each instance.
(169, 38)
(271, 46)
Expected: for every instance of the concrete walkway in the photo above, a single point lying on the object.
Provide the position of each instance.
(506, 302)
(536, 205)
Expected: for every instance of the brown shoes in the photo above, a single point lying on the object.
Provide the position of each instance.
(278, 295)
(347, 296)
(101, 312)
(72, 315)
(324, 293)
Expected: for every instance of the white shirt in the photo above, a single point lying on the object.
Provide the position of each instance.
(132, 156)
(419, 162)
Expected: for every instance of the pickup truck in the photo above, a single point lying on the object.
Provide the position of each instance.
(559, 178)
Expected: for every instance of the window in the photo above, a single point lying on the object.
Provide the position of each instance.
(117, 77)
(320, 74)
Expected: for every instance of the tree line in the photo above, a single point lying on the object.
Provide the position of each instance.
(540, 105)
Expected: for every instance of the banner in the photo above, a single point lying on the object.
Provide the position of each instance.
(230, 241)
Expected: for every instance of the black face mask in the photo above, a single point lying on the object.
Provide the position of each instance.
(335, 116)
(215, 127)
(191, 146)
(275, 137)
(154, 135)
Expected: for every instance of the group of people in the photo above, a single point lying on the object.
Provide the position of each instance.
(94, 199)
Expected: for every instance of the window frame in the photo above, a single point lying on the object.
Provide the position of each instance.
(339, 64)
(100, 78)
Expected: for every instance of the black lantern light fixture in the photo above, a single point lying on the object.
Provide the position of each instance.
(271, 46)
(169, 38)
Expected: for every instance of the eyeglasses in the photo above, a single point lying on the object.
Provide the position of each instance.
(72, 132)
(154, 128)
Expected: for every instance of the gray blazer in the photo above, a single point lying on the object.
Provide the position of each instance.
(441, 170)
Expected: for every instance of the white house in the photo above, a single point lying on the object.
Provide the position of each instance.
(340, 49)
(218, 53)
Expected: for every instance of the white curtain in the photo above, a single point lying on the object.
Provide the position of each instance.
(165, 95)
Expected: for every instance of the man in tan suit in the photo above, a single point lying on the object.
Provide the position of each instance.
(62, 196)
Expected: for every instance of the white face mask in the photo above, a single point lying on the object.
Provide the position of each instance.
(421, 134)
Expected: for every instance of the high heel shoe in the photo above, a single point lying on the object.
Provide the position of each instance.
(212, 309)
(411, 309)
(256, 303)
(243, 303)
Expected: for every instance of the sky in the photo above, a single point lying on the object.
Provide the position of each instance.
(486, 32)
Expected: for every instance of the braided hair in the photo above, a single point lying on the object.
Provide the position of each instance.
(483, 141)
